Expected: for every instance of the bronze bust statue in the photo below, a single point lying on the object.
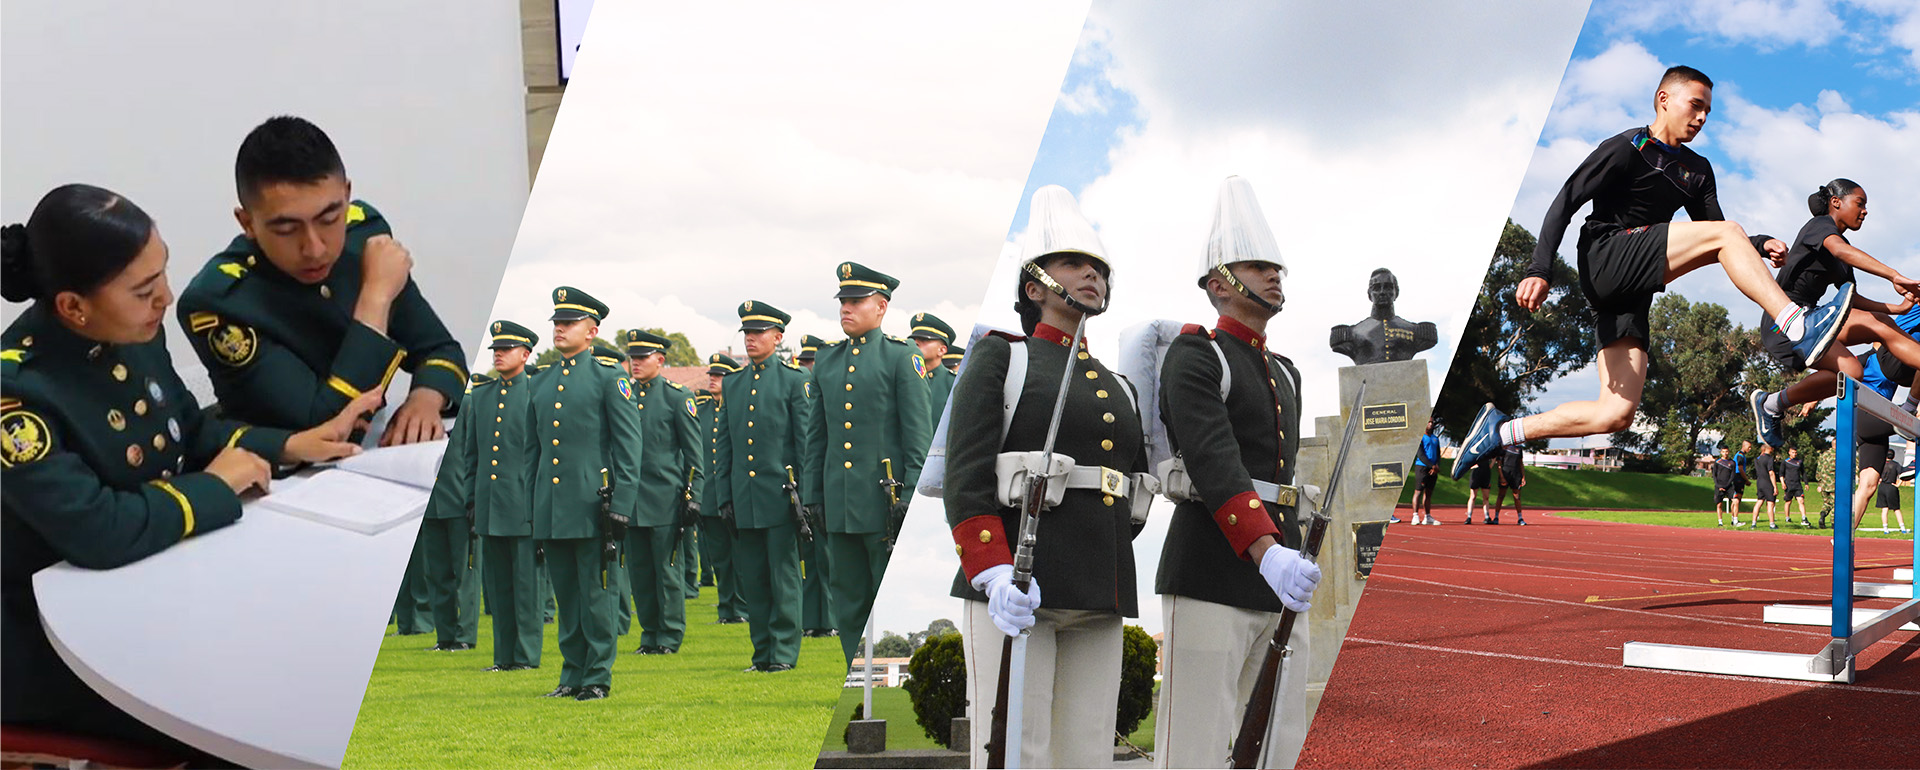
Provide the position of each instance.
(1383, 336)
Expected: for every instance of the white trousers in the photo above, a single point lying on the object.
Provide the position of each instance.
(1072, 685)
(1210, 659)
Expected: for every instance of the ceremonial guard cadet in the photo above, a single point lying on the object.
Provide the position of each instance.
(607, 353)
(451, 563)
(313, 304)
(1231, 561)
(491, 483)
(809, 348)
(585, 481)
(935, 339)
(761, 446)
(870, 435)
(672, 476)
(716, 535)
(108, 458)
(1083, 553)
(952, 359)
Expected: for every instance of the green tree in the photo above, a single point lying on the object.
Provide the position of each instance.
(892, 645)
(937, 686)
(936, 628)
(1139, 659)
(681, 353)
(1507, 355)
(1697, 363)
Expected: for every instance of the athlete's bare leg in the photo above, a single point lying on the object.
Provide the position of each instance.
(1693, 245)
(1623, 373)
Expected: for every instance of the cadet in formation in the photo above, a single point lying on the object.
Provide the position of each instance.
(607, 353)
(584, 483)
(108, 458)
(716, 534)
(672, 476)
(449, 555)
(314, 303)
(935, 339)
(1083, 554)
(760, 446)
(1231, 561)
(489, 481)
(870, 435)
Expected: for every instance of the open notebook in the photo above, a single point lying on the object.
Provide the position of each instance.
(368, 493)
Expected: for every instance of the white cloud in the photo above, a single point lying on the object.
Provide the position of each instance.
(684, 177)
(1764, 24)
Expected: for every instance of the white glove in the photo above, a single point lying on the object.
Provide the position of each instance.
(1291, 576)
(1012, 611)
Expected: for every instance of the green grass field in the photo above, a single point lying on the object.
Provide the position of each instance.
(693, 709)
(1704, 520)
(892, 704)
(1588, 489)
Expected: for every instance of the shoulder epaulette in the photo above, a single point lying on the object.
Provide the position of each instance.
(361, 215)
(1008, 336)
(478, 379)
(609, 363)
(900, 340)
(833, 343)
(791, 365)
(675, 385)
(1196, 329)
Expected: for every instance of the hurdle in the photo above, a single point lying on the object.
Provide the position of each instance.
(1853, 630)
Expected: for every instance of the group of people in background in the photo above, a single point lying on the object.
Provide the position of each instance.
(782, 483)
(1510, 464)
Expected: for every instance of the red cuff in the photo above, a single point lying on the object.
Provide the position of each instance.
(981, 542)
(1243, 520)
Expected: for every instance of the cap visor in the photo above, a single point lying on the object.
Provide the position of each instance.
(569, 315)
(855, 292)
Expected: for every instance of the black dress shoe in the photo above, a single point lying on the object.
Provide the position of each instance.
(774, 668)
(732, 621)
(753, 669)
(591, 692)
(456, 647)
(521, 667)
(437, 648)
(708, 583)
(563, 691)
(498, 668)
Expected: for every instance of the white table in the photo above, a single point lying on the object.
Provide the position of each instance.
(252, 643)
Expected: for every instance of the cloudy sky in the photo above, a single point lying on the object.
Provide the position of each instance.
(1804, 92)
(685, 177)
(1374, 135)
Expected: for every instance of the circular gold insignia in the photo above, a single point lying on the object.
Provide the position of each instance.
(233, 344)
(140, 407)
(26, 438)
(159, 442)
(135, 456)
(120, 372)
(116, 420)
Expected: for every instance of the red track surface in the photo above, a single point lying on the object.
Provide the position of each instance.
(1478, 646)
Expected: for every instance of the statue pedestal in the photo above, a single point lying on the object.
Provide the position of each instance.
(1394, 416)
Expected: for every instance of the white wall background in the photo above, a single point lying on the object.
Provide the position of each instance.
(424, 100)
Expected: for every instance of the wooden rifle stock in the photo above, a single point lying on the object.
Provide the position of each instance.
(1253, 726)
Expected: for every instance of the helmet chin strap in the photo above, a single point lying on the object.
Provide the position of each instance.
(1054, 286)
(1226, 275)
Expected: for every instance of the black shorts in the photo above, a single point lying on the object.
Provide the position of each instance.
(1871, 452)
(1511, 481)
(1739, 485)
(1482, 478)
(1620, 273)
(1722, 495)
(1766, 493)
(1794, 492)
(1426, 480)
(1886, 497)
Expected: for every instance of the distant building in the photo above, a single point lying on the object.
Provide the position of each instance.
(887, 672)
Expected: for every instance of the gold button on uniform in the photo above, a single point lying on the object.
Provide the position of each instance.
(562, 387)
(1232, 520)
(848, 464)
(1102, 393)
(1093, 375)
(848, 426)
(1108, 417)
(849, 386)
(492, 477)
(1108, 499)
(496, 462)
(849, 406)
(1107, 444)
(985, 536)
(957, 550)
(140, 407)
(754, 392)
(556, 479)
(556, 442)
(750, 474)
(846, 445)
(749, 458)
(120, 372)
(1083, 356)
(326, 292)
(1253, 503)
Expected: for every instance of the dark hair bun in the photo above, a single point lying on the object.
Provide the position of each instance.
(17, 280)
(1818, 202)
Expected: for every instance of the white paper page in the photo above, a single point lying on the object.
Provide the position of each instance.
(411, 464)
(350, 501)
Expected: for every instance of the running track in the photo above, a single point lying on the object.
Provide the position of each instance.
(1479, 646)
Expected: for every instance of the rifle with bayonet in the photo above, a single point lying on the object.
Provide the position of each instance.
(896, 507)
(1249, 745)
(613, 529)
(1004, 730)
(792, 488)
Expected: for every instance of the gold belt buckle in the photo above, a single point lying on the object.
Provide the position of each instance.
(1110, 481)
(1288, 494)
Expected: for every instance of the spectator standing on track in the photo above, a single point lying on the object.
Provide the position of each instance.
(1723, 472)
(1792, 487)
(1764, 476)
(1742, 470)
(1513, 475)
(1888, 495)
(1426, 467)
(1481, 486)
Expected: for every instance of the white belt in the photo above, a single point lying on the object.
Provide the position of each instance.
(1107, 480)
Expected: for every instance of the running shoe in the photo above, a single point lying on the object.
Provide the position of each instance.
(1469, 519)
(1522, 522)
(1482, 439)
(1393, 520)
(1823, 325)
(1767, 425)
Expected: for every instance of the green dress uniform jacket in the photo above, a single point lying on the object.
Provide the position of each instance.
(1254, 434)
(669, 419)
(940, 381)
(103, 448)
(290, 355)
(872, 406)
(1083, 554)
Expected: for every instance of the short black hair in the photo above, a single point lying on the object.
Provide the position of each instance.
(1681, 73)
(79, 237)
(284, 149)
